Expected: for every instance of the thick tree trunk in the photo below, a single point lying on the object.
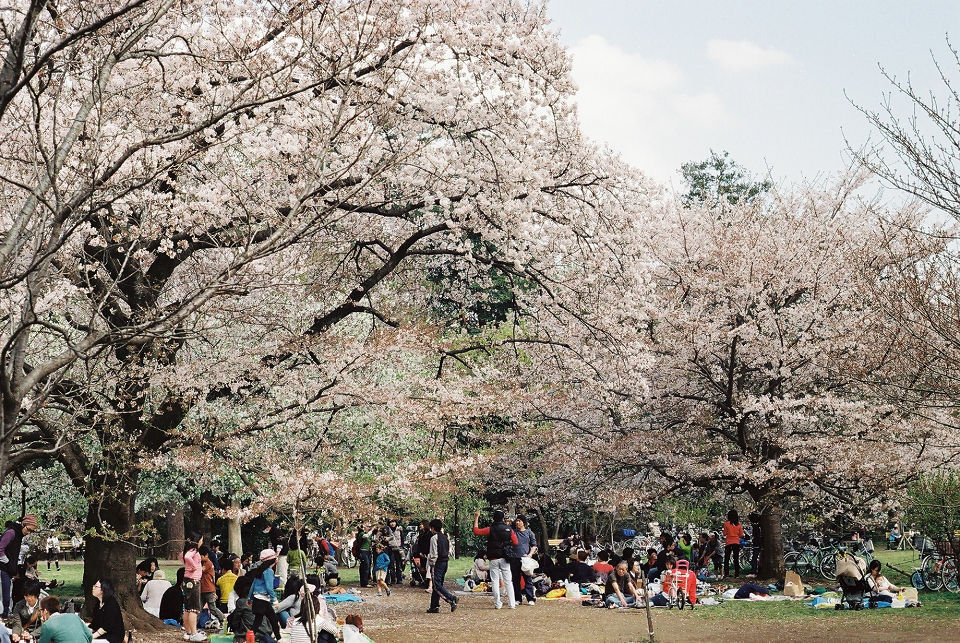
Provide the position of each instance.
(234, 540)
(771, 549)
(174, 531)
(556, 527)
(115, 558)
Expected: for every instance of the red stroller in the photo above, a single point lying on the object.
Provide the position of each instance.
(683, 589)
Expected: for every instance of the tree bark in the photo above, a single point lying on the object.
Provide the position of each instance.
(771, 547)
(544, 531)
(114, 557)
(175, 531)
(234, 541)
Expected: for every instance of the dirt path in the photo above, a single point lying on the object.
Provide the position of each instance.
(401, 618)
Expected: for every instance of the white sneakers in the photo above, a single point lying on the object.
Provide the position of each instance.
(199, 636)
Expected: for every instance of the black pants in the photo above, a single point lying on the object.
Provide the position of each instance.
(728, 552)
(755, 560)
(364, 568)
(516, 571)
(439, 574)
(263, 609)
(395, 571)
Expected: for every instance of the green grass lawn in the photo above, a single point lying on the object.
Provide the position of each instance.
(71, 573)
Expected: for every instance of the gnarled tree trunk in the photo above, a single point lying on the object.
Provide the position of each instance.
(111, 554)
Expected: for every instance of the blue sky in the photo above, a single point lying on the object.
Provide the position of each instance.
(664, 82)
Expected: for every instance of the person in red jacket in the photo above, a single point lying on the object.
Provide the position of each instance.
(500, 539)
(732, 533)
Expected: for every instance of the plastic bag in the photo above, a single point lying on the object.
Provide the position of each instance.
(573, 589)
(528, 564)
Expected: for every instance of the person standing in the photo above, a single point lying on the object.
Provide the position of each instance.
(438, 558)
(10, 543)
(53, 550)
(526, 547)
(263, 593)
(208, 585)
(192, 575)
(362, 548)
(380, 568)
(499, 538)
(395, 551)
(732, 533)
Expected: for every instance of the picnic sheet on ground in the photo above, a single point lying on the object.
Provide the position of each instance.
(342, 598)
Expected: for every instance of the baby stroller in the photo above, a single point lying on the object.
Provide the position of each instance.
(682, 577)
(851, 575)
(417, 576)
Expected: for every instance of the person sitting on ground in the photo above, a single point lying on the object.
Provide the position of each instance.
(242, 617)
(107, 623)
(290, 600)
(26, 612)
(59, 627)
(709, 551)
(480, 572)
(684, 548)
(879, 583)
(620, 590)
(637, 573)
(153, 591)
(651, 562)
(171, 604)
(143, 575)
(666, 583)
(580, 571)
(30, 572)
(627, 556)
(602, 567)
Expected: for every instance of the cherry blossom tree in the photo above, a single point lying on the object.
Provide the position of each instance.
(219, 217)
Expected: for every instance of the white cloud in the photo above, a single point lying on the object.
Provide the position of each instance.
(642, 107)
(743, 55)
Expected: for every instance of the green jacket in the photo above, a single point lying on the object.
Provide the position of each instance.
(65, 628)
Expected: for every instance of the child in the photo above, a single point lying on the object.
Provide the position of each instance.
(380, 570)
(666, 580)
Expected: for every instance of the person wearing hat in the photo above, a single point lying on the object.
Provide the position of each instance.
(263, 594)
(499, 537)
(10, 543)
(526, 547)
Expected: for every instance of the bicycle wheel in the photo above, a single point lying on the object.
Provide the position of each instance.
(790, 560)
(916, 580)
(948, 575)
(805, 564)
(828, 566)
(930, 569)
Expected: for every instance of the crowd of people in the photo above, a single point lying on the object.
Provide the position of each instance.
(282, 586)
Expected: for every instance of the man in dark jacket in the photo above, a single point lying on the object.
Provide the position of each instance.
(499, 538)
(10, 543)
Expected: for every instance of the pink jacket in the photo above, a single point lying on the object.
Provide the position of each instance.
(192, 568)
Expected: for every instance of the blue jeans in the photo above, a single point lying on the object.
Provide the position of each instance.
(439, 573)
(7, 584)
(613, 599)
